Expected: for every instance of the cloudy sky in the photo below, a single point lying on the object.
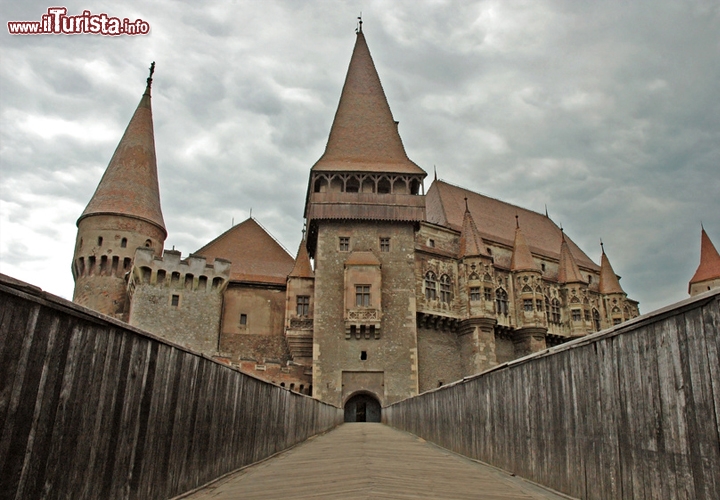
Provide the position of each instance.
(608, 112)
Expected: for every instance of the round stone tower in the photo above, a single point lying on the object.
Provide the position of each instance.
(123, 214)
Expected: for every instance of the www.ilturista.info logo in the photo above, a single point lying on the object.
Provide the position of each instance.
(57, 22)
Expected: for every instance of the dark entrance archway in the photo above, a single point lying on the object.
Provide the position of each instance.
(362, 408)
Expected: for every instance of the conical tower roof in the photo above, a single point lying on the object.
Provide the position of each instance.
(609, 282)
(471, 243)
(709, 267)
(129, 186)
(521, 257)
(302, 268)
(364, 135)
(568, 270)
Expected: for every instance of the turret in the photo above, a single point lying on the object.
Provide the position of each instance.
(123, 214)
(574, 290)
(529, 298)
(707, 275)
(299, 308)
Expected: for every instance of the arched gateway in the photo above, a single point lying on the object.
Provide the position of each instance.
(362, 408)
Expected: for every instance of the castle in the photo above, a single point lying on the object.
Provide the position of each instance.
(409, 289)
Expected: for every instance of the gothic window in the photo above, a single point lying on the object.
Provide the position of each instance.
(576, 315)
(596, 319)
(539, 304)
(344, 243)
(474, 293)
(303, 305)
(384, 244)
(587, 315)
(445, 289)
(527, 305)
(362, 295)
(487, 293)
(430, 286)
(553, 310)
(501, 299)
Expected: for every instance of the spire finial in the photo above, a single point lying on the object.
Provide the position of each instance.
(602, 247)
(435, 171)
(517, 221)
(359, 26)
(304, 230)
(466, 205)
(152, 70)
(546, 212)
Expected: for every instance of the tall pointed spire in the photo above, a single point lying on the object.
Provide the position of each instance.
(471, 243)
(364, 135)
(129, 186)
(521, 257)
(302, 268)
(609, 282)
(568, 270)
(709, 268)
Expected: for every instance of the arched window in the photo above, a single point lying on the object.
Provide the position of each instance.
(501, 301)
(555, 311)
(321, 185)
(352, 185)
(596, 319)
(383, 185)
(430, 286)
(123, 243)
(445, 289)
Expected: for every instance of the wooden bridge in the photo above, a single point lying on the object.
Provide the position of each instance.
(93, 408)
(370, 461)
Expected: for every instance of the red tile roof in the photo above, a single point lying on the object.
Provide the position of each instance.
(521, 257)
(364, 135)
(130, 184)
(302, 268)
(609, 282)
(709, 267)
(495, 220)
(568, 270)
(254, 253)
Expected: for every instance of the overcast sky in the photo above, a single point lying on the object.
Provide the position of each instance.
(608, 112)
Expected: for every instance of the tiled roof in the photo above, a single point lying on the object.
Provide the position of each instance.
(471, 243)
(302, 268)
(609, 282)
(495, 220)
(568, 271)
(521, 257)
(130, 184)
(709, 267)
(255, 255)
(364, 135)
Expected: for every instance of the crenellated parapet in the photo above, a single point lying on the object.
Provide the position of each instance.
(166, 292)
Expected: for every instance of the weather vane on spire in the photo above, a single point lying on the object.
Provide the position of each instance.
(152, 70)
(359, 26)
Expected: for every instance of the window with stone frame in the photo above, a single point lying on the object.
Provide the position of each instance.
(552, 308)
(445, 289)
(501, 301)
(596, 319)
(344, 244)
(303, 305)
(528, 305)
(243, 320)
(430, 286)
(487, 293)
(539, 305)
(576, 314)
(474, 293)
(587, 315)
(384, 244)
(362, 295)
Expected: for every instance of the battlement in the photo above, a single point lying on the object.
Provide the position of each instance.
(191, 273)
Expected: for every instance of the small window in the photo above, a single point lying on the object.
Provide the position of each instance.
(539, 304)
(303, 305)
(489, 250)
(123, 243)
(100, 240)
(384, 244)
(617, 321)
(527, 305)
(175, 300)
(501, 299)
(474, 293)
(148, 244)
(576, 315)
(243, 320)
(363, 355)
(445, 289)
(362, 295)
(344, 244)
(587, 315)
(589, 278)
(487, 293)
(431, 243)
(542, 266)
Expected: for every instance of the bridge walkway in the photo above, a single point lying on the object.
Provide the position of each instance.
(367, 460)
